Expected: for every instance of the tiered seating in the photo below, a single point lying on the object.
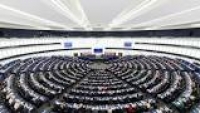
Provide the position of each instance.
(173, 81)
(130, 84)
(101, 90)
(35, 81)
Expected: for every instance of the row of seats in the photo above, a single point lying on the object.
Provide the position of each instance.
(34, 81)
(174, 81)
(129, 84)
(102, 91)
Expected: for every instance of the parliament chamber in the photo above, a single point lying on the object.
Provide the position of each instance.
(99, 56)
(44, 76)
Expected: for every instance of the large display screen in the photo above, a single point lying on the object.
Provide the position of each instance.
(127, 44)
(68, 44)
(98, 50)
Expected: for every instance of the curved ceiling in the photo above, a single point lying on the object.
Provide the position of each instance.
(99, 15)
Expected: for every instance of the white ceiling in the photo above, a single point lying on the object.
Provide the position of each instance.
(99, 14)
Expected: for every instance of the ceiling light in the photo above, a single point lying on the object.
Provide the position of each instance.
(32, 17)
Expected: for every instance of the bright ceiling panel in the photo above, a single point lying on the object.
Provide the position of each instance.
(99, 14)
(169, 12)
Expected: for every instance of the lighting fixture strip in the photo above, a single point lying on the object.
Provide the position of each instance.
(167, 17)
(132, 13)
(69, 14)
(27, 26)
(33, 17)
